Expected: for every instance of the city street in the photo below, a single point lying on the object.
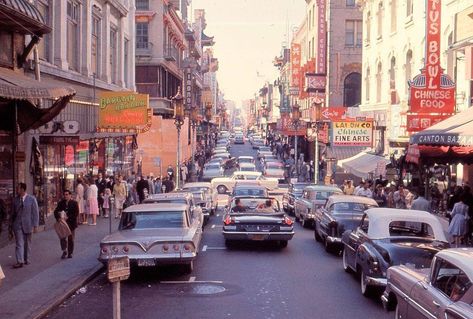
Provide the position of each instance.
(251, 280)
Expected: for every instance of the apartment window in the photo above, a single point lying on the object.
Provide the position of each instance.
(392, 74)
(142, 35)
(408, 68)
(367, 84)
(6, 49)
(409, 8)
(113, 55)
(350, 3)
(126, 48)
(43, 45)
(393, 15)
(95, 47)
(380, 19)
(142, 5)
(353, 33)
(72, 35)
(379, 78)
(368, 27)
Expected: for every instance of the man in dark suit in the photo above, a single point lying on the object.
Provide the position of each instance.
(25, 221)
(71, 208)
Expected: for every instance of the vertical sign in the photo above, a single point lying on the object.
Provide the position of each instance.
(188, 89)
(321, 37)
(432, 44)
(295, 68)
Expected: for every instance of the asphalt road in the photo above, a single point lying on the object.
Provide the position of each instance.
(253, 280)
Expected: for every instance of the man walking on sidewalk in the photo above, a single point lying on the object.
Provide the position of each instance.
(25, 220)
(71, 208)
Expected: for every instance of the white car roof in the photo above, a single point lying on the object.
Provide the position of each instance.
(247, 165)
(246, 157)
(461, 257)
(247, 173)
(380, 218)
(156, 207)
(197, 184)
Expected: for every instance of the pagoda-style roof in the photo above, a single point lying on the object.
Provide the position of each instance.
(206, 40)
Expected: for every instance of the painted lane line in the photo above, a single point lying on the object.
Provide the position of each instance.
(192, 279)
(204, 248)
(192, 282)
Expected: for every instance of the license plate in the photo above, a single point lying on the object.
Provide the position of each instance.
(257, 237)
(146, 262)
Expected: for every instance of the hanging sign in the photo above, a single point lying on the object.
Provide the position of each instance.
(295, 68)
(321, 65)
(352, 133)
(419, 122)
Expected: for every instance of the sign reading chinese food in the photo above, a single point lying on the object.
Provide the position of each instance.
(124, 112)
(352, 133)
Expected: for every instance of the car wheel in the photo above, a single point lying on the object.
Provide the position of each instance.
(189, 267)
(327, 246)
(316, 233)
(283, 243)
(365, 287)
(345, 261)
(221, 189)
(397, 315)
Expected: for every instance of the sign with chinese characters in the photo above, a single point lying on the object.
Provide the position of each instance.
(188, 83)
(287, 127)
(416, 123)
(321, 65)
(413, 154)
(352, 133)
(124, 112)
(295, 66)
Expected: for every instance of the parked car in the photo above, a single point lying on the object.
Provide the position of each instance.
(211, 171)
(294, 191)
(225, 184)
(208, 207)
(389, 237)
(261, 154)
(257, 221)
(275, 170)
(153, 234)
(445, 291)
(339, 214)
(313, 197)
(247, 167)
(257, 143)
(222, 156)
(239, 139)
(246, 159)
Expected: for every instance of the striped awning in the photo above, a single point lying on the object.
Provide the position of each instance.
(23, 17)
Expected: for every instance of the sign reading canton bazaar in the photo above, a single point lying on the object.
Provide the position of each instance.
(295, 68)
(352, 133)
(432, 91)
(124, 112)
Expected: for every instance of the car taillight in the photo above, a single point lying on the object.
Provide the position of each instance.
(176, 247)
(288, 221)
(187, 247)
(104, 250)
(126, 249)
(115, 249)
(165, 247)
(228, 220)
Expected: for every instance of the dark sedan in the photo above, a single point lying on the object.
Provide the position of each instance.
(294, 191)
(340, 213)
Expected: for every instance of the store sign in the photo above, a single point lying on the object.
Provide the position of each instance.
(188, 97)
(432, 91)
(323, 132)
(321, 65)
(124, 112)
(413, 154)
(295, 66)
(315, 82)
(352, 133)
(334, 113)
(420, 122)
(287, 127)
(59, 140)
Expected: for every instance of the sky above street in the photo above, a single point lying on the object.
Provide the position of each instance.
(248, 35)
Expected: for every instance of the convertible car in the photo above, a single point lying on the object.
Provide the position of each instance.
(388, 237)
(153, 234)
(257, 219)
(445, 291)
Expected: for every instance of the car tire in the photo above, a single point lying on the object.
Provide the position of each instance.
(316, 233)
(346, 267)
(328, 246)
(222, 189)
(189, 267)
(366, 289)
(283, 243)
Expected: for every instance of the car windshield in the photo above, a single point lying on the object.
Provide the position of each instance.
(148, 220)
(212, 166)
(252, 177)
(411, 229)
(250, 192)
(273, 165)
(350, 208)
(323, 195)
(198, 196)
(256, 205)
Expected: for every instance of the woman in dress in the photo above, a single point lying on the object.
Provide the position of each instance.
(458, 225)
(92, 193)
(120, 192)
(80, 200)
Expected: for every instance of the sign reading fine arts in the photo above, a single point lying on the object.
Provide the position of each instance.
(124, 112)
(432, 91)
(352, 133)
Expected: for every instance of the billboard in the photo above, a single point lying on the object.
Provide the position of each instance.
(124, 112)
(352, 133)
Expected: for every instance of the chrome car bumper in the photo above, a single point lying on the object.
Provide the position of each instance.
(334, 240)
(168, 258)
(380, 282)
(257, 236)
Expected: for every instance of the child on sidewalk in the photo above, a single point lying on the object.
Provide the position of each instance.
(106, 202)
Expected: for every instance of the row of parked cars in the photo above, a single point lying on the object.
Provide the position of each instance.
(401, 255)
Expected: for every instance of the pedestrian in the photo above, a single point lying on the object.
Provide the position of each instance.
(141, 186)
(379, 196)
(80, 199)
(365, 191)
(150, 183)
(92, 202)
(399, 197)
(71, 209)
(106, 202)
(101, 185)
(421, 203)
(170, 172)
(349, 189)
(458, 226)
(158, 186)
(24, 222)
(120, 193)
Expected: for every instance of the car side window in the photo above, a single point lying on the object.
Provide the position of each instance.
(450, 280)
(364, 224)
(313, 195)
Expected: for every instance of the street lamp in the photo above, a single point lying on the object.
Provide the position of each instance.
(177, 102)
(296, 116)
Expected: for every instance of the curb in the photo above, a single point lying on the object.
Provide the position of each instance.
(91, 274)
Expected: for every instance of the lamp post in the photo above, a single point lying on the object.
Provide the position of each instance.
(194, 120)
(296, 115)
(177, 101)
(208, 116)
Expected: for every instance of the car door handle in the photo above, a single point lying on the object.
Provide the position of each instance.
(436, 304)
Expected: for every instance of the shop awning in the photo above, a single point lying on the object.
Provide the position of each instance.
(23, 17)
(342, 152)
(363, 164)
(21, 92)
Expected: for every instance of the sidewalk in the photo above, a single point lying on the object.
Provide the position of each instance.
(31, 291)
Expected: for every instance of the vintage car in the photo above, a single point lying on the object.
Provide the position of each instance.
(226, 184)
(259, 219)
(209, 207)
(257, 143)
(181, 197)
(389, 237)
(274, 170)
(294, 191)
(212, 170)
(339, 214)
(249, 189)
(260, 154)
(239, 139)
(445, 291)
(313, 197)
(246, 159)
(153, 234)
(247, 167)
